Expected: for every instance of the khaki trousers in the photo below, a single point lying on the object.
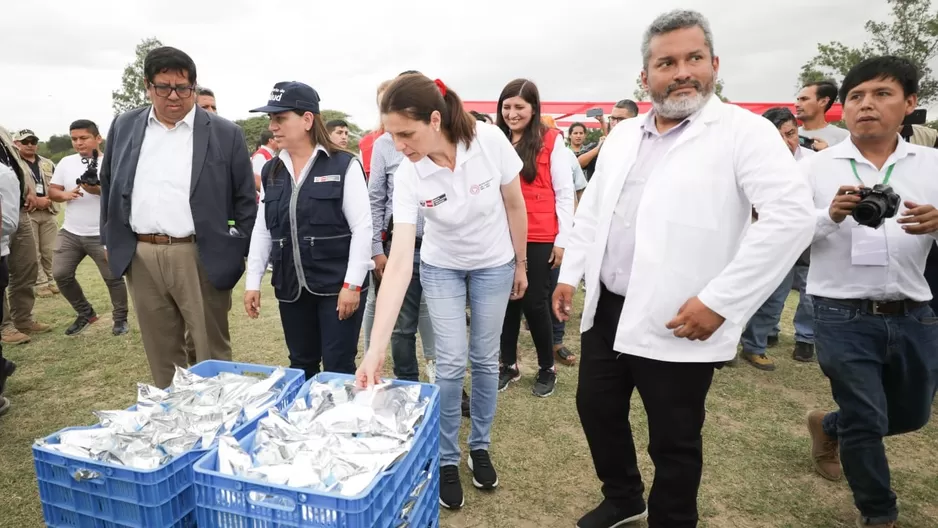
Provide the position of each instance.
(45, 227)
(171, 293)
(20, 297)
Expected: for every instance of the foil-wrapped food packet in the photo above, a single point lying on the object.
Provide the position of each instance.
(191, 414)
(337, 438)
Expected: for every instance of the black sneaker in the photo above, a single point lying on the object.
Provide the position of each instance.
(8, 369)
(772, 341)
(483, 472)
(120, 328)
(803, 352)
(608, 515)
(506, 375)
(465, 404)
(81, 322)
(544, 384)
(451, 496)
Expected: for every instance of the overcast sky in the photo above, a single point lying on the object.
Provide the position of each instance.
(61, 61)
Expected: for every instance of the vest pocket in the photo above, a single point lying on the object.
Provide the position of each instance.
(324, 206)
(272, 205)
(329, 247)
(277, 248)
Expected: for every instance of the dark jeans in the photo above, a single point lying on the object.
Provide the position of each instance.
(558, 326)
(931, 275)
(883, 372)
(315, 335)
(535, 306)
(673, 394)
(404, 336)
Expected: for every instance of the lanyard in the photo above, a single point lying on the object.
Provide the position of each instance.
(853, 165)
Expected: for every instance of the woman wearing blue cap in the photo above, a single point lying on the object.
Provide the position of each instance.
(314, 224)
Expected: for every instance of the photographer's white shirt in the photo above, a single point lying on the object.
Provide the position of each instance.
(82, 215)
(895, 271)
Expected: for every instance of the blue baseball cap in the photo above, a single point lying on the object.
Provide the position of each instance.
(291, 95)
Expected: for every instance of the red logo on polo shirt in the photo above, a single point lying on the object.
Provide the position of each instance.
(476, 189)
(434, 202)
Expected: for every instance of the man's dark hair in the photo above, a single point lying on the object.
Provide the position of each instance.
(574, 126)
(167, 59)
(205, 91)
(779, 116)
(899, 69)
(409, 72)
(265, 138)
(479, 116)
(336, 123)
(826, 88)
(85, 124)
(629, 105)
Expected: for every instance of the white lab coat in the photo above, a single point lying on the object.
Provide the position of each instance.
(693, 235)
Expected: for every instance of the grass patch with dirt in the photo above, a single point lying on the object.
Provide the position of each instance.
(757, 472)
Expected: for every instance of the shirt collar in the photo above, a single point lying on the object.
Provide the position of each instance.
(189, 119)
(426, 167)
(649, 128)
(847, 150)
(319, 148)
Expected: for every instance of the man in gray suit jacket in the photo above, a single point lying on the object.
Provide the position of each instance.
(177, 208)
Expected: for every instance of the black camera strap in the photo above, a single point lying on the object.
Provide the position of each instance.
(853, 165)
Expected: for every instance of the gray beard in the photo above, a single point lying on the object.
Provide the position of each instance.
(683, 107)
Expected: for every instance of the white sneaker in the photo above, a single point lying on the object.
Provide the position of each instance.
(431, 371)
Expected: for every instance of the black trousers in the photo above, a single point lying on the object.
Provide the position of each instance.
(315, 335)
(536, 308)
(673, 395)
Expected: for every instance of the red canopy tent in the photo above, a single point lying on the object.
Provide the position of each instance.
(564, 110)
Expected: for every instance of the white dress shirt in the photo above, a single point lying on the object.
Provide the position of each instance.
(159, 203)
(561, 178)
(616, 267)
(833, 273)
(692, 230)
(355, 206)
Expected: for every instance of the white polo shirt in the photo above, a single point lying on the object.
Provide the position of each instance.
(466, 223)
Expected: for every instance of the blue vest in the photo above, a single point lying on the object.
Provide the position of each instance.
(311, 237)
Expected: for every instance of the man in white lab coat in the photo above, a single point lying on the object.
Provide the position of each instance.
(673, 269)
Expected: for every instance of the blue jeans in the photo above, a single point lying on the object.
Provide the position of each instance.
(804, 314)
(445, 291)
(884, 373)
(761, 324)
(559, 327)
(369, 318)
(413, 317)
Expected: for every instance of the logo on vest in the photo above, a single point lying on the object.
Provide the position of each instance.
(434, 202)
(476, 189)
(330, 178)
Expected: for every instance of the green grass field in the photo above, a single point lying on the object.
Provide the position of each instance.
(757, 471)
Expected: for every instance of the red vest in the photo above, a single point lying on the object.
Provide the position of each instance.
(263, 152)
(539, 196)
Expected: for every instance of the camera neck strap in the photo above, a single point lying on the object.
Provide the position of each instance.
(853, 165)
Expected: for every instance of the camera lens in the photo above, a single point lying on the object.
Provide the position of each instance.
(870, 211)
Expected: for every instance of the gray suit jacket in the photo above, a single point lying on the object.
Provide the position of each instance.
(222, 190)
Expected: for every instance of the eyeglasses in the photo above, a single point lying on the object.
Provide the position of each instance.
(616, 120)
(29, 141)
(163, 90)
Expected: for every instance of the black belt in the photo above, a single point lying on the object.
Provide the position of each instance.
(417, 242)
(868, 306)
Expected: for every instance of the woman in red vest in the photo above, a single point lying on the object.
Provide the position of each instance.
(547, 186)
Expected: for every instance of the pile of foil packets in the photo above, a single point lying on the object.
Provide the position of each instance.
(338, 438)
(191, 414)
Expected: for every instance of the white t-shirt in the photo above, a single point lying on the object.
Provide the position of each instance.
(82, 215)
(466, 223)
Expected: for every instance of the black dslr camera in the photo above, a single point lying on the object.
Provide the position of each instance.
(876, 205)
(90, 177)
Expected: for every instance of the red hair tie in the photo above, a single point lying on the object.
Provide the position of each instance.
(439, 84)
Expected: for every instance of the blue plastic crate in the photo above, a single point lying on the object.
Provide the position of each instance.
(64, 518)
(125, 496)
(236, 502)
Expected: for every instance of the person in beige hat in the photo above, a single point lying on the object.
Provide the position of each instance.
(18, 323)
(42, 216)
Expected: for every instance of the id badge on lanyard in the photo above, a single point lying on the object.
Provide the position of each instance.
(40, 185)
(868, 245)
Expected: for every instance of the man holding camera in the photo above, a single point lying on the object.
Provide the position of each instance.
(75, 183)
(876, 335)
